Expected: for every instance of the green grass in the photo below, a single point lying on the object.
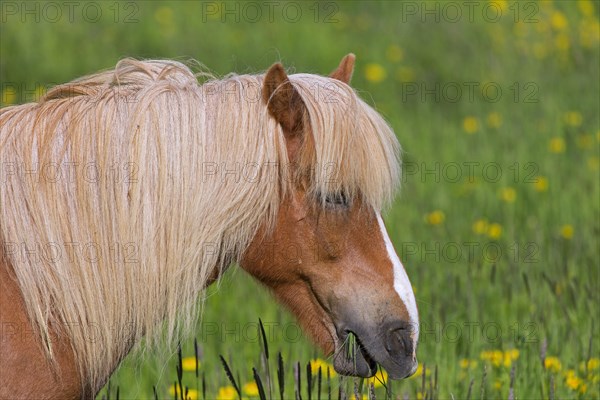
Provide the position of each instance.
(539, 295)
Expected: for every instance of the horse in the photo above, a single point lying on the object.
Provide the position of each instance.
(127, 192)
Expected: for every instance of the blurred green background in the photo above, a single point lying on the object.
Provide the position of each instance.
(496, 106)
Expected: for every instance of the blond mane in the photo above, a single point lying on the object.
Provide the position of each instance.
(123, 192)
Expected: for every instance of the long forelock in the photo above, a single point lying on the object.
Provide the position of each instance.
(352, 149)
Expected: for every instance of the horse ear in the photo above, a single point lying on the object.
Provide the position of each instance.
(344, 71)
(283, 100)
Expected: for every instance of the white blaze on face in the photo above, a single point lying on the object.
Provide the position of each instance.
(401, 283)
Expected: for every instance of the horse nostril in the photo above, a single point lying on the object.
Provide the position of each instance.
(399, 342)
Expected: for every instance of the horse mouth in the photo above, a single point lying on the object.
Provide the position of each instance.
(353, 359)
(359, 352)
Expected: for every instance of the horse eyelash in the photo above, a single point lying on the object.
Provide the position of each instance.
(337, 200)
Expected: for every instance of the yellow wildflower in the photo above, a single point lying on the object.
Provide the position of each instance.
(573, 118)
(332, 372)
(497, 384)
(500, 4)
(191, 393)
(394, 53)
(494, 230)
(164, 15)
(465, 363)
(552, 364)
(496, 358)
(566, 231)
(435, 217)
(508, 194)
(419, 371)
(493, 356)
(470, 125)
(494, 120)
(189, 364)
(559, 21)
(573, 382)
(591, 365)
(226, 393)
(510, 356)
(375, 73)
(480, 226)
(569, 373)
(379, 379)
(317, 362)
(586, 7)
(541, 184)
(557, 145)
(250, 389)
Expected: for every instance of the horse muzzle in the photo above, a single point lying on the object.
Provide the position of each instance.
(391, 344)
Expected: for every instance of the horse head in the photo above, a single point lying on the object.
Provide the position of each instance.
(328, 256)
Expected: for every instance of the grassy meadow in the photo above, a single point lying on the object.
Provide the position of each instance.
(497, 109)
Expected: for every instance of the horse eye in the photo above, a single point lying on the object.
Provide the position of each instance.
(337, 200)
